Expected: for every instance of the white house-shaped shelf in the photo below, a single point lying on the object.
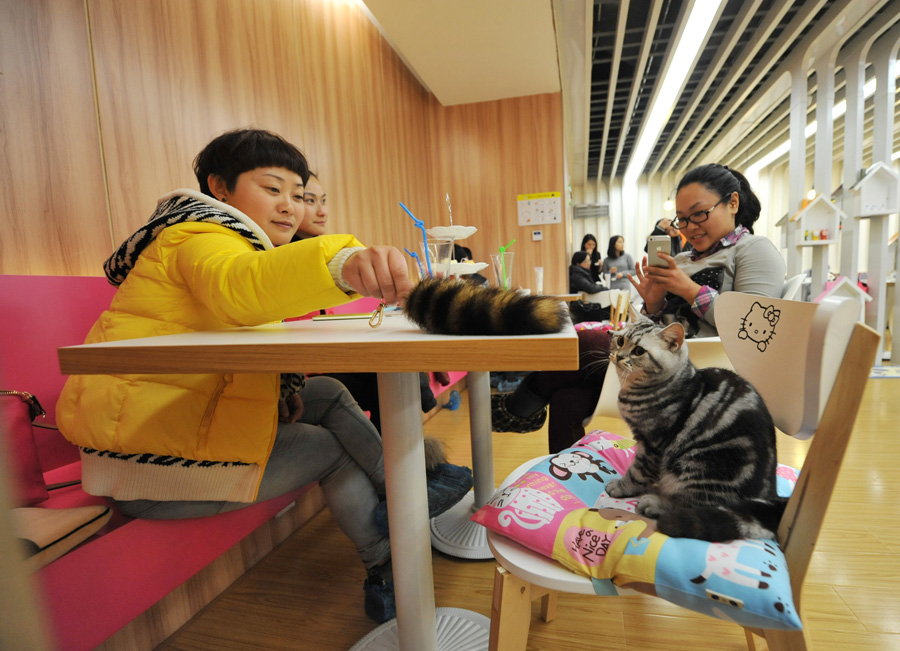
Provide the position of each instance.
(843, 288)
(876, 192)
(818, 222)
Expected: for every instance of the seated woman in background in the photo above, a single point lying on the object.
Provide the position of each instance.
(716, 210)
(617, 263)
(589, 245)
(580, 281)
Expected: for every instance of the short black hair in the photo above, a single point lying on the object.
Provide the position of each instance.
(579, 257)
(241, 150)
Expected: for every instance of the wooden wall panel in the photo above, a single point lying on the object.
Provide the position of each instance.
(173, 74)
(367, 124)
(53, 212)
(488, 153)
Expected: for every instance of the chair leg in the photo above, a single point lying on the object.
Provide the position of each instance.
(751, 643)
(787, 640)
(510, 612)
(548, 606)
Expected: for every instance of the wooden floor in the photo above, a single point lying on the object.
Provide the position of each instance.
(308, 593)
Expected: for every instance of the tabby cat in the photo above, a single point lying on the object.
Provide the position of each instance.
(455, 307)
(706, 463)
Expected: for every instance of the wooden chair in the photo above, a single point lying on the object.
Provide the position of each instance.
(814, 388)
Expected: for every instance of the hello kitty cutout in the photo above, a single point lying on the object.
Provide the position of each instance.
(759, 325)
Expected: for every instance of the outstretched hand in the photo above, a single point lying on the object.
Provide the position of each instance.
(652, 283)
(379, 271)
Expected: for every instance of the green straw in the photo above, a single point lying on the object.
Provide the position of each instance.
(503, 264)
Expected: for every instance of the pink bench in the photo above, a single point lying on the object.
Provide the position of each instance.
(137, 581)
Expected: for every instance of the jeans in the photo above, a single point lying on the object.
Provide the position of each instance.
(332, 443)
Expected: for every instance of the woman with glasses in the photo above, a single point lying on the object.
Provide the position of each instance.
(715, 210)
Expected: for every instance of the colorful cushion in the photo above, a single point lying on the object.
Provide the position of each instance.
(559, 509)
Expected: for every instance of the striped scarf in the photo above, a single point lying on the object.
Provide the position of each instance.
(179, 207)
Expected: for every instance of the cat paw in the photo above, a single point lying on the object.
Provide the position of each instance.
(650, 506)
(616, 488)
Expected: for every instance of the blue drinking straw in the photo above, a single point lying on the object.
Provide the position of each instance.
(416, 258)
(421, 226)
(503, 264)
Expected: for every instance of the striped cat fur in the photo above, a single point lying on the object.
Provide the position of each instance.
(706, 461)
(453, 307)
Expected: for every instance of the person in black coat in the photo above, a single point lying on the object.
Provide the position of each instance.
(580, 281)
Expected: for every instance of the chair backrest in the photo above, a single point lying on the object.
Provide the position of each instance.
(789, 350)
(811, 370)
(792, 288)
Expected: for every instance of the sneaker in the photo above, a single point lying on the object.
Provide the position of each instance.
(503, 420)
(447, 485)
(379, 601)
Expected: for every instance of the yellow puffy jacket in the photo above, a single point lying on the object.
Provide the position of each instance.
(194, 276)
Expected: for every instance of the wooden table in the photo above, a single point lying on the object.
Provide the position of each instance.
(397, 351)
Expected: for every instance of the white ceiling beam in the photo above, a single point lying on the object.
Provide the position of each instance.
(621, 22)
(738, 27)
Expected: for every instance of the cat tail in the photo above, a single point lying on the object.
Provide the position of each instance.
(453, 307)
(747, 519)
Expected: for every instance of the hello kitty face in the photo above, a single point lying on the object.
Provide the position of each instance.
(759, 325)
(527, 507)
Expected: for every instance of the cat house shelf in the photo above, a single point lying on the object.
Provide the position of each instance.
(876, 193)
(818, 222)
(842, 287)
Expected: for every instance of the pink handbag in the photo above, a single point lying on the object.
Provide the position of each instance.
(18, 409)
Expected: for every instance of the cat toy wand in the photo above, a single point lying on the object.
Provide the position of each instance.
(415, 257)
(503, 264)
(421, 226)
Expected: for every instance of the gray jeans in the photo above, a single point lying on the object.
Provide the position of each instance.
(333, 443)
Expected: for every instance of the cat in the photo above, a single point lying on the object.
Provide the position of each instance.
(706, 462)
(454, 307)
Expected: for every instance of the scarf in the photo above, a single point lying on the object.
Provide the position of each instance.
(179, 207)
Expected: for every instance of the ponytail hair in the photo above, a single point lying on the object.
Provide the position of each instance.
(723, 181)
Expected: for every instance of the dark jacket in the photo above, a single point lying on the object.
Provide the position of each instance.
(580, 281)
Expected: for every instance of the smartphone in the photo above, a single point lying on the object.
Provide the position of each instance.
(657, 244)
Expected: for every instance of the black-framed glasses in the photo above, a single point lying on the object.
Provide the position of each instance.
(695, 217)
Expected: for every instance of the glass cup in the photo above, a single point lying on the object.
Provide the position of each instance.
(503, 263)
(441, 255)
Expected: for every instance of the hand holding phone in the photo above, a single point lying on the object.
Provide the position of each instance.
(657, 244)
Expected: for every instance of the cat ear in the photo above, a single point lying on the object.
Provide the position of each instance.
(673, 336)
(633, 314)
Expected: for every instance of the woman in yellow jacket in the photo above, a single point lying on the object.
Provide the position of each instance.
(172, 446)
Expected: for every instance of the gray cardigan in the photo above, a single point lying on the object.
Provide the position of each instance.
(752, 265)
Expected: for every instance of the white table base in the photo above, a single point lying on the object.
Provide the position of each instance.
(456, 630)
(452, 532)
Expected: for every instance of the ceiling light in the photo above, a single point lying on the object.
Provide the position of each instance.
(694, 34)
(811, 194)
(668, 205)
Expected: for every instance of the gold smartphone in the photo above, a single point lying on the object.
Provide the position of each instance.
(657, 244)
